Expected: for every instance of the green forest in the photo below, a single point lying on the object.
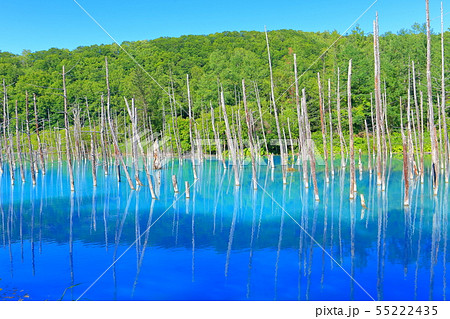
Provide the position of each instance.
(223, 60)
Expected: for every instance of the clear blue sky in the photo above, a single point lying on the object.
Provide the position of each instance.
(40, 25)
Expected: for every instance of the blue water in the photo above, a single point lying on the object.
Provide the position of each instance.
(224, 243)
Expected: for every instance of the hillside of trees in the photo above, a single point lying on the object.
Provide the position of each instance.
(224, 59)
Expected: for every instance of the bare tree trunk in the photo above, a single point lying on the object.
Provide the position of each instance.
(176, 132)
(103, 137)
(191, 138)
(405, 161)
(38, 136)
(331, 130)
(378, 118)
(350, 127)
(360, 166)
(443, 102)
(433, 136)
(33, 176)
(113, 134)
(4, 128)
(301, 130)
(291, 142)
(386, 122)
(324, 130)
(441, 159)
(419, 114)
(275, 111)
(76, 132)
(8, 139)
(19, 147)
(310, 147)
(132, 112)
(250, 136)
(59, 147)
(258, 101)
(369, 158)
(217, 140)
(374, 137)
(93, 148)
(66, 125)
(338, 109)
(409, 141)
(423, 136)
(231, 145)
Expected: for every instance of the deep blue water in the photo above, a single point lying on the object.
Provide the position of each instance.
(224, 243)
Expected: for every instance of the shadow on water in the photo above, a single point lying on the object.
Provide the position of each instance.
(223, 243)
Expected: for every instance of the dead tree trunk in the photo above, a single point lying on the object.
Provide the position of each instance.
(132, 112)
(231, 144)
(33, 175)
(378, 119)
(310, 147)
(113, 133)
(217, 140)
(191, 138)
(93, 148)
(38, 136)
(258, 101)
(103, 137)
(324, 130)
(369, 158)
(433, 136)
(444, 116)
(405, 161)
(331, 130)
(275, 111)
(250, 136)
(350, 127)
(19, 147)
(66, 125)
(338, 110)
(8, 139)
(301, 130)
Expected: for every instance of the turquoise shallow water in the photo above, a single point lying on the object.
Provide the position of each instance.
(224, 243)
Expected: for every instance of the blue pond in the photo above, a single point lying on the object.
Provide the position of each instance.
(224, 243)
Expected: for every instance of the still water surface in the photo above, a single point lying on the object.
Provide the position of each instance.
(224, 243)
